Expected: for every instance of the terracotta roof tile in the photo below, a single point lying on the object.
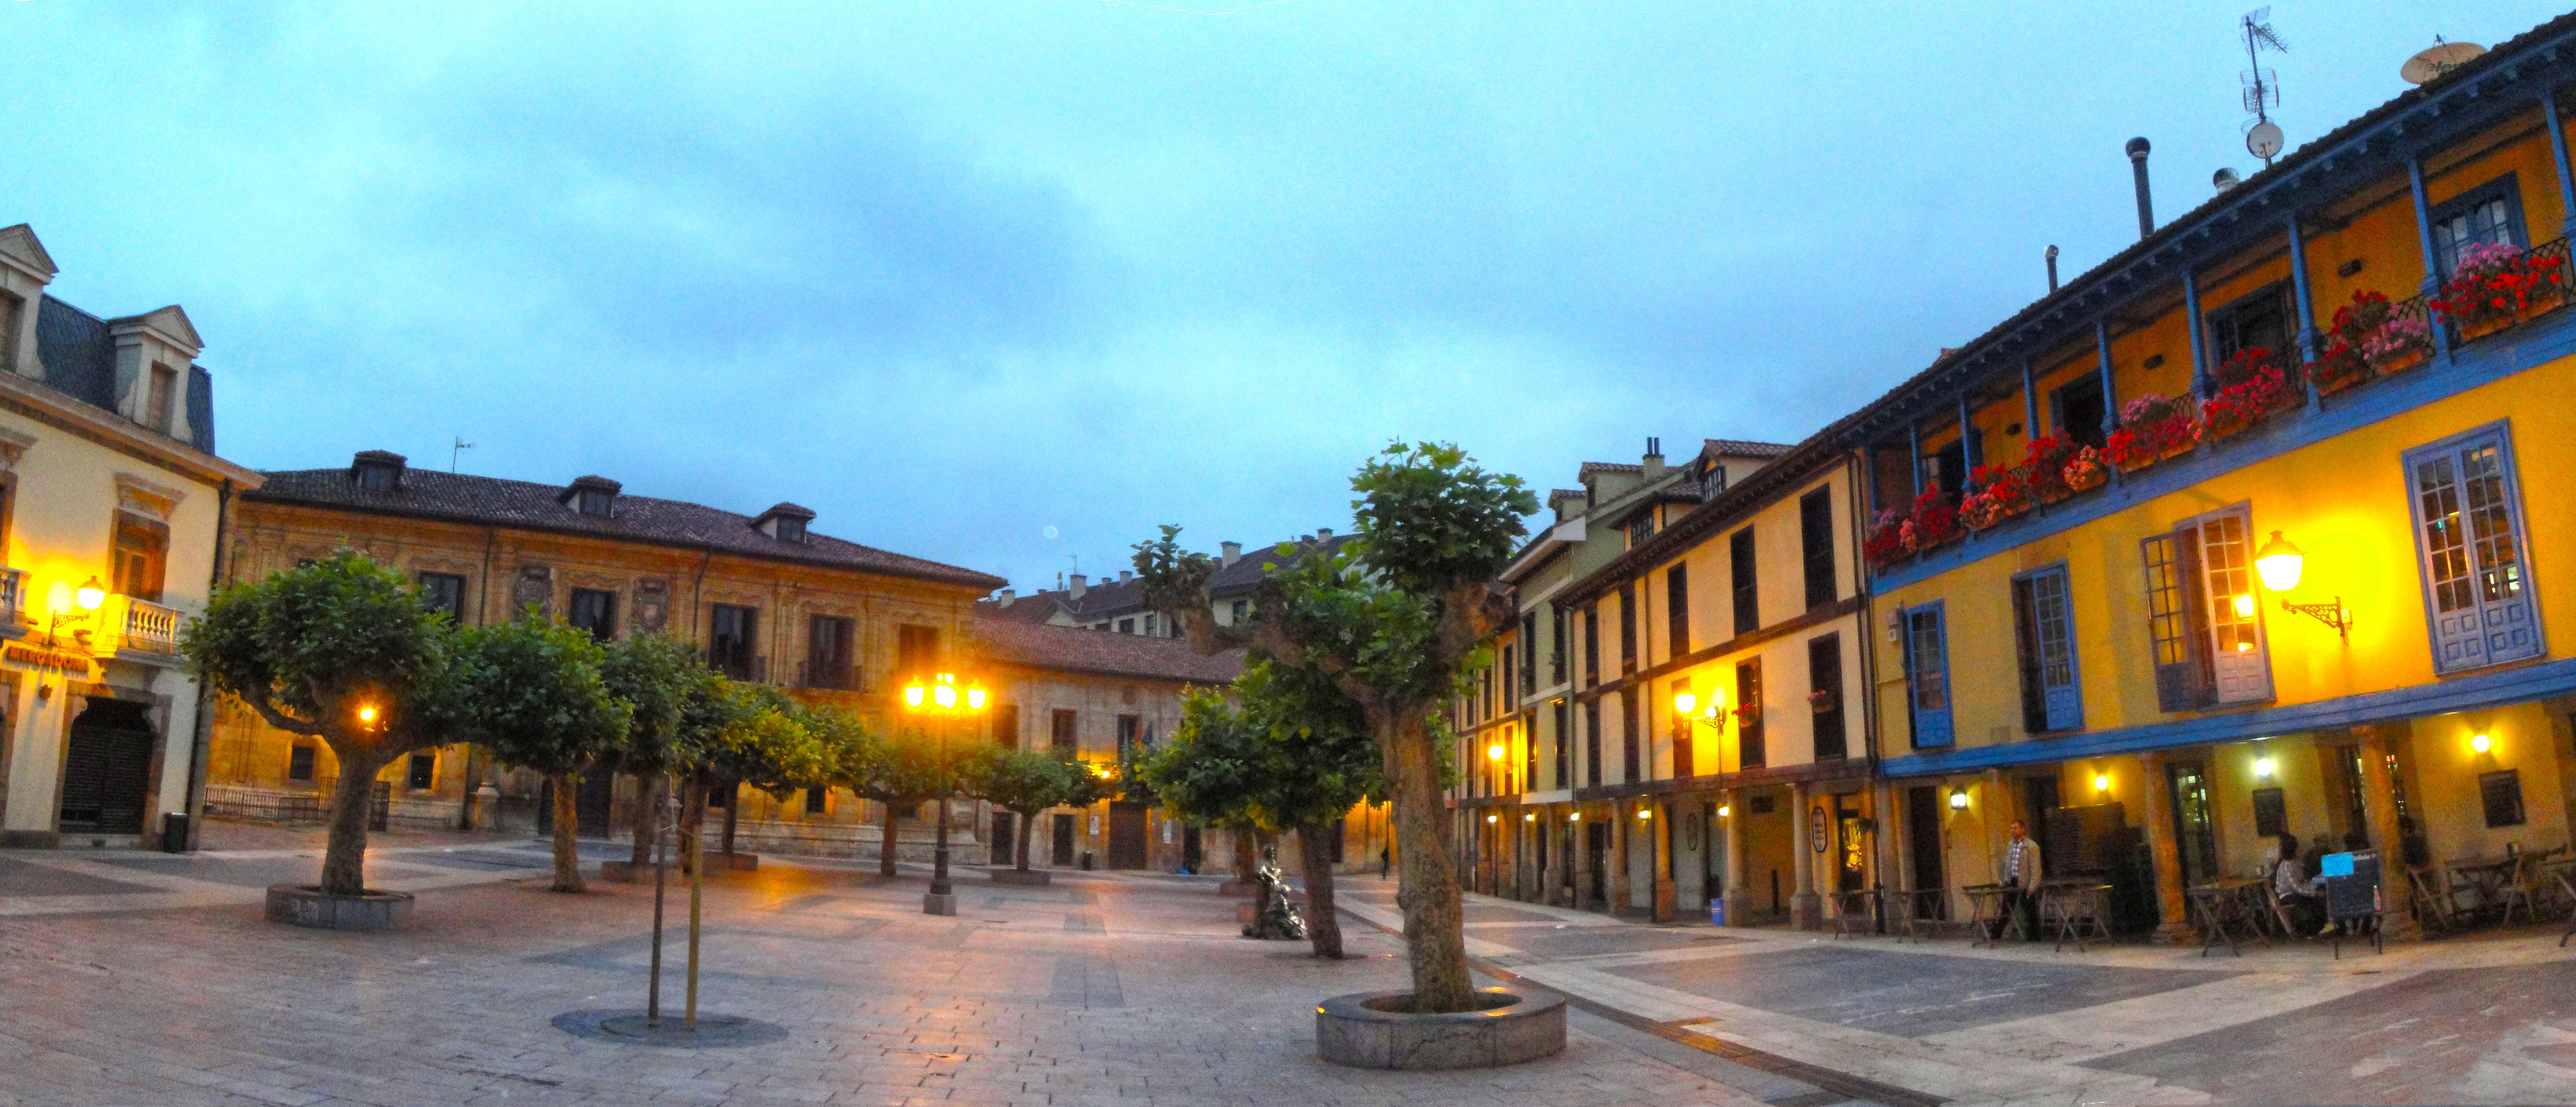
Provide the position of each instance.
(1075, 650)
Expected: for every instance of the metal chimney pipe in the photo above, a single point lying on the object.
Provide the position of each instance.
(2138, 166)
(2052, 267)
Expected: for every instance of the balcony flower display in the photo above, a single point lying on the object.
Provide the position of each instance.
(1887, 540)
(2261, 390)
(2086, 470)
(1933, 522)
(2152, 427)
(2043, 467)
(2404, 337)
(2496, 283)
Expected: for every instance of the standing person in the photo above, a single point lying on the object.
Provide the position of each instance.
(1385, 861)
(2020, 878)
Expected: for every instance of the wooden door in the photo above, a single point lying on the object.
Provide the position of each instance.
(1126, 834)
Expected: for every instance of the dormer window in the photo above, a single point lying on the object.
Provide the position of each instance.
(377, 470)
(593, 496)
(784, 522)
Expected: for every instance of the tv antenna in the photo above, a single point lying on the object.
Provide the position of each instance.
(2262, 86)
(460, 447)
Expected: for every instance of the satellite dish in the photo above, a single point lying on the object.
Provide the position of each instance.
(2264, 140)
(2442, 58)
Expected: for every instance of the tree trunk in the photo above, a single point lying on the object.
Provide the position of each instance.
(733, 803)
(693, 819)
(1028, 827)
(648, 812)
(567, 843)
(1322, 928)
(1247, 856)
(344, 856)
(885, 852)
(1429, 896)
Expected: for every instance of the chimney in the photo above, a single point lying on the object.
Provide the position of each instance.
(1228, 553)
(1654, 460)
(2138, 168)
(2224, 179)
(1323, 534)
(1081, 584)
(1124, 575)
(1007, 598)
(2052, 266)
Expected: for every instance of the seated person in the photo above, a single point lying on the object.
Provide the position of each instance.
(2302, 897)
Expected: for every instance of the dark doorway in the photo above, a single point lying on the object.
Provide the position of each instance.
(107, 769)
(2076, 411)
(590, 803)
(2195, 838)
(1004, 823)
(1852, 856)
(1193, 854)
(1596, 851)
(1061, 850)
(1126, 834)
(1712, 854)
(1923, 837)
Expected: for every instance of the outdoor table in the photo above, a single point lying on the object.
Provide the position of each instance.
(1853, 912)
(1918, 913)
(2564, 870)
(1986, 912)
(2223, 915)
(2484, 878)
(2073, 911)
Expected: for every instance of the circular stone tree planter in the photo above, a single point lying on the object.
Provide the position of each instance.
(1375, 1030)
(305, 905)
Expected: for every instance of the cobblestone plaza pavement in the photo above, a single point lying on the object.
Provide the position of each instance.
(149, 979)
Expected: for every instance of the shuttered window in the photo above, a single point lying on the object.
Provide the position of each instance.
(2236, 654)
(1748, 607)
(1676, 611)
(1927, 676)
(1816, 545)
(1825, 696)
(2044, 632)
(1748, 715)
(2469, 533)
(2204, 622)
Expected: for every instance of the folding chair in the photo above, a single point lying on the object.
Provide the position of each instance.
(2431, 908)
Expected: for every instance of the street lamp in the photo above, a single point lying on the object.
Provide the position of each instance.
(85, 603)
(2280, 564)
(942, 699)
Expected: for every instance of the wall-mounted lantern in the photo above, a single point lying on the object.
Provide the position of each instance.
(2280, 564)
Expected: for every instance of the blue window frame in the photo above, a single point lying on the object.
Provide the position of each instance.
(2044, 632)
(2475, 555)
(1927, 675)
(2491, 212)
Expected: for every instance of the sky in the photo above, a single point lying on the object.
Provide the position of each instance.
(1007, 285)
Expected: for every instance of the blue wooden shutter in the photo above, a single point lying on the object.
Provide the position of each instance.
(1927, 675)
(2052, 616)
(2468, 528)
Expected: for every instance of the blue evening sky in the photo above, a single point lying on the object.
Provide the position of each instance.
(1007, 284)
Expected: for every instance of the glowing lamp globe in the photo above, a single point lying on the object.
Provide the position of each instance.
(1684, 703)
(2279, 563)
(90, 595)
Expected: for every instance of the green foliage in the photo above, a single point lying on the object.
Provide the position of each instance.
(1430, 519)
(898, 770)
(308, 645)
(1207, 772)
(1028, 782)
(532, 692)
(1289, 751)
(658, 676)
(754, 734)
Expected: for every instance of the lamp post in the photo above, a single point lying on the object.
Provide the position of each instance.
(943, 700)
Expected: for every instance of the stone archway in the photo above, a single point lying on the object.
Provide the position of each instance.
(107, 768)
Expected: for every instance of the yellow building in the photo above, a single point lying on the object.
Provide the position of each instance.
(2099, 656)
(111, 504)
(764, 597)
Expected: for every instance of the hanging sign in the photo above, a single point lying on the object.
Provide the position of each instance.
(73, 664)
(1816, 827)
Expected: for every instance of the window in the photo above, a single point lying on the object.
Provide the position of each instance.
(1927, 676)
(1555, 644)
(299, 763)
(1641, 528)
(1062, 739)
(2044, 636)
(817, 799)
(1628, 628)
(1529, 654)
(2077, 410)
(1825, 695)
(730, 645)
(1511, 698)
(142, 551)
(1006, 726)
(12, 311)
(1947, 470)
(1628, 736)
(2501, 793)
(422, 774)
(720, 796)
(160, 399)
(1676, 612)
(1748, 604)
(592, 501)
(1126, 626)
(830, 661)
(376, 476)
(593, 610)
(2259, 320)
(1748, 715)
(1242, 610)
(2271, 813)
(1681, 733)
(791, 529)
(1592, 743)
(1149, 626)
(2203, 618)
(444, 593)
(916, 649)
(2468, 526)
(1564, 744)
(1131, 737)
(1592, 644)
(2490, 213)
(1816, 545)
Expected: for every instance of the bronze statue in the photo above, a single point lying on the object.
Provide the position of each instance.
(1272, 918)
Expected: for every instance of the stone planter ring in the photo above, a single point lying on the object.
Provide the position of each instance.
(1375, 1030)
(305, 905)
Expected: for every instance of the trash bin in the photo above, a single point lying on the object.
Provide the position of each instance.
(1086, 860)
(174, 832)
(1717, 912)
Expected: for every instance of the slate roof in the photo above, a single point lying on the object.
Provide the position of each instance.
(1737, 447)
(1111, 598)
(493, 501)
(79, 357)
(1076, 650)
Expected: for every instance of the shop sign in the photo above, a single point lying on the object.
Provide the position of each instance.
(72, 664)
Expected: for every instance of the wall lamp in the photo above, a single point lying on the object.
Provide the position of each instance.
(1958, 799)
(2480, 743)
(2279, 563)
(1686, 705)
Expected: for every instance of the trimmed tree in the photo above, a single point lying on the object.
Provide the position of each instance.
(1027, 783)
(340, 650)
(752, 734)
(533, 692)
(898, 771)
(657, 676)
(1394, 631)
